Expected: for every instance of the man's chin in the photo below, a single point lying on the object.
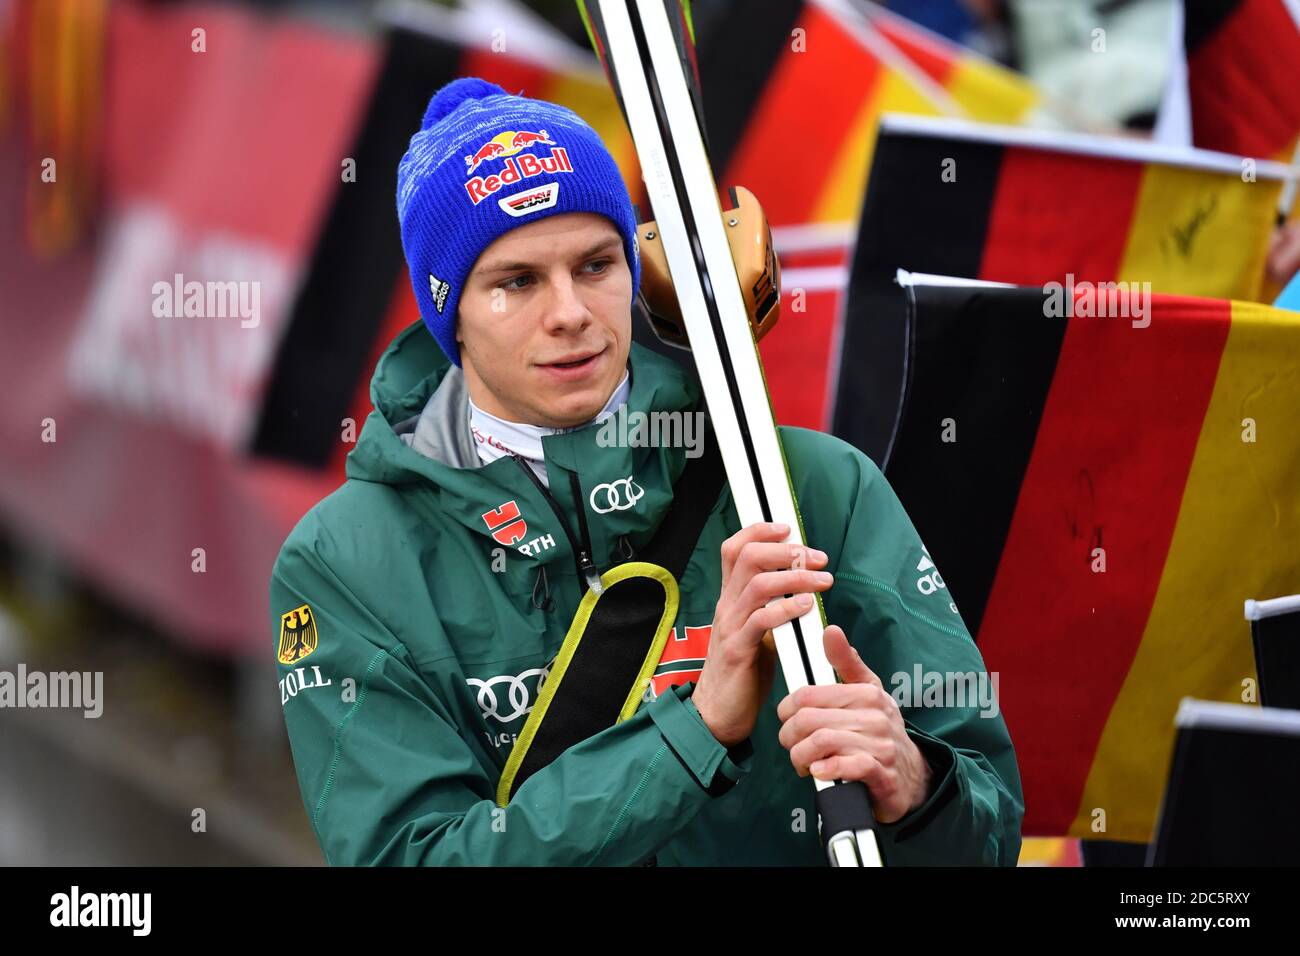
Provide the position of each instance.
(570, 414)
(568, 408)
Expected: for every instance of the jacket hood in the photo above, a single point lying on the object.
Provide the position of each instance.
(607, 494)
(413, 368)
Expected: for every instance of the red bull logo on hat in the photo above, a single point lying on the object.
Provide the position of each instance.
(505, 146)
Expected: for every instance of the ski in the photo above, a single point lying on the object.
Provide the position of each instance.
(646, 48)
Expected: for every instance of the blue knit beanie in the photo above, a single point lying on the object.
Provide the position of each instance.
(483, 163)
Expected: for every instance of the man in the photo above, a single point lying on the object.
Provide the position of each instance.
(418, 608)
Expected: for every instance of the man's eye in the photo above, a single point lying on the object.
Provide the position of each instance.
(603, 263)
(510, 283)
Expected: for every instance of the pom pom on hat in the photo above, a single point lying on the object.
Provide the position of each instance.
(456, 92)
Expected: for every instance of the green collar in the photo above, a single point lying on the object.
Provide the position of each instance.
(412, 368)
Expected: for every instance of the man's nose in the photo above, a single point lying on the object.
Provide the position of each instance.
(565, 308)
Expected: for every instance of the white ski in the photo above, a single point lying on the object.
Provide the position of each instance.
(647, 51)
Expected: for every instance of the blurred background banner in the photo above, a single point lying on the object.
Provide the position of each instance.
(212, 168)
(1101, 494)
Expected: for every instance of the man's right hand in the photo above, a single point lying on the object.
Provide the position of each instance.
(741, 661)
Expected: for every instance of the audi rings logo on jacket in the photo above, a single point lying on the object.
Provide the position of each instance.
(615, 496)
(516, 701)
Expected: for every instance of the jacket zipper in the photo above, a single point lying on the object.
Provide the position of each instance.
(586, 567)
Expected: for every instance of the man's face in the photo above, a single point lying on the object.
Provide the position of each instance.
(544, 322)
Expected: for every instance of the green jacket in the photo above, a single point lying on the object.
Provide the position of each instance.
(426, 639)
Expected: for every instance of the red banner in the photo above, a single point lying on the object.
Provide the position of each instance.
(134, 363)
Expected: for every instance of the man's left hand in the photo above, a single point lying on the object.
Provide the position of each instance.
(855, 731)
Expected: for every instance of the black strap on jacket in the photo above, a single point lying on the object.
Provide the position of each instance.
(618, 633)
(694, 496)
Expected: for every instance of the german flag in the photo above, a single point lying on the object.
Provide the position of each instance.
(984, 89)
(1243, 90)
(793, 92)
(1100, 494)
(1027, 207)
(807, 147)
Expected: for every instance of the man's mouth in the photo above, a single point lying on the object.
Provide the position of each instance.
(574, 361)
(574, 368)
